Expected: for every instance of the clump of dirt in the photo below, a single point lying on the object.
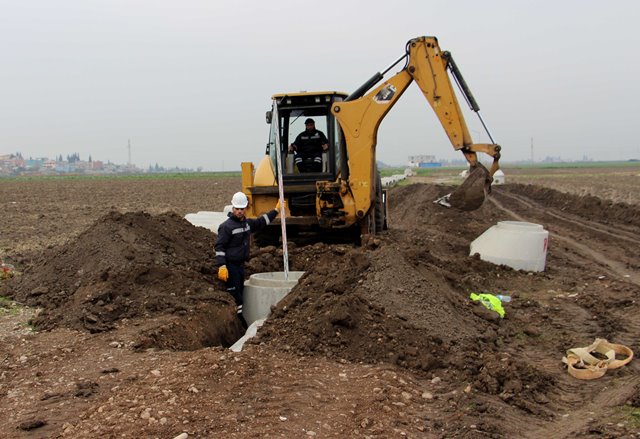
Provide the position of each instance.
(634, 401)
(515, 382)
(132, 266)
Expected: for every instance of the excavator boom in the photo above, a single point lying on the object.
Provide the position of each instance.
(427, 65)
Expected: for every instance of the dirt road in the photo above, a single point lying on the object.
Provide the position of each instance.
(375, 341)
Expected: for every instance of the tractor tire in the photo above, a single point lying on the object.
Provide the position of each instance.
(379, 210)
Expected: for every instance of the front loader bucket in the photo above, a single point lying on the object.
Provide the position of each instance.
(473, 191)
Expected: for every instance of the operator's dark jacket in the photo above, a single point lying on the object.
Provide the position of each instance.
(309, 143)
(234, 235)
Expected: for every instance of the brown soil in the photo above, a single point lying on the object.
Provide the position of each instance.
(374, 341)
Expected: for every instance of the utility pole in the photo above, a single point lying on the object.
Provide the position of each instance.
(129, 154)
(532, 150)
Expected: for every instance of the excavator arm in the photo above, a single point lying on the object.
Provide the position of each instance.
(428, 66)
(362, 112)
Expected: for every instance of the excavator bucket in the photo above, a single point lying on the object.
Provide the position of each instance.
(472, 192)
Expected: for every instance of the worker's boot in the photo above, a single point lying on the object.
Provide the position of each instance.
(241, 317)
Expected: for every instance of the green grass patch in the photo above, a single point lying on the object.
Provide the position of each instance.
(425, 172)
(421, 172)
(632, 415)
(405, 182)
(29, 327)
(388, 172)
(8, 306)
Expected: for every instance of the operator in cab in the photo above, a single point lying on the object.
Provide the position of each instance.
(308, 148)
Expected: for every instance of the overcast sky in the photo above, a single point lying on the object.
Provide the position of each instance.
(189, 81)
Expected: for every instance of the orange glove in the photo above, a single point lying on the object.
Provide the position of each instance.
(278, 206)
(223, 273)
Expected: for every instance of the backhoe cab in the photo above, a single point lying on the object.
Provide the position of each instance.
(346, 195)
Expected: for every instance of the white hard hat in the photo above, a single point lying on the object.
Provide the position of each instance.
(239, 200)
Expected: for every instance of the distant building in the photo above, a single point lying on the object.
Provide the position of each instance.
(15, 164)
(424, 161)
(80, 166)
(11, 162)
(62, 167)
(34, 164)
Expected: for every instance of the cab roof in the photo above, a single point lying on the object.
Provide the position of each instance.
(310, 93)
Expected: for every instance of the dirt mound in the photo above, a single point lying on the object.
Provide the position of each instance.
(330, 314)
(132, 266)
(585, 206)
(404, 299)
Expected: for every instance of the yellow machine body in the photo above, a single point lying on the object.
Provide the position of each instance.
(347, 194)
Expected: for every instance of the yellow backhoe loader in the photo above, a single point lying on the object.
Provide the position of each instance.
(344, 193)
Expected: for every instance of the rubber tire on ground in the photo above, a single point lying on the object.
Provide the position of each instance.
(379, 213)
(374, 222)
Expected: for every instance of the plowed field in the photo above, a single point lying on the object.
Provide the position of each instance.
(122, 330)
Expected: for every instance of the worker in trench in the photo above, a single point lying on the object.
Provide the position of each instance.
(232, 246)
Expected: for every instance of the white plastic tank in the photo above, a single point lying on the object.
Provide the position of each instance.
(498, 177)
(209, 220)
(263, 290)
(517, 244)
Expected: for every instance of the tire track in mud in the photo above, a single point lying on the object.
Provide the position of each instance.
(620, 232)
(615, 268)
(575, 405)
(582, 404)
